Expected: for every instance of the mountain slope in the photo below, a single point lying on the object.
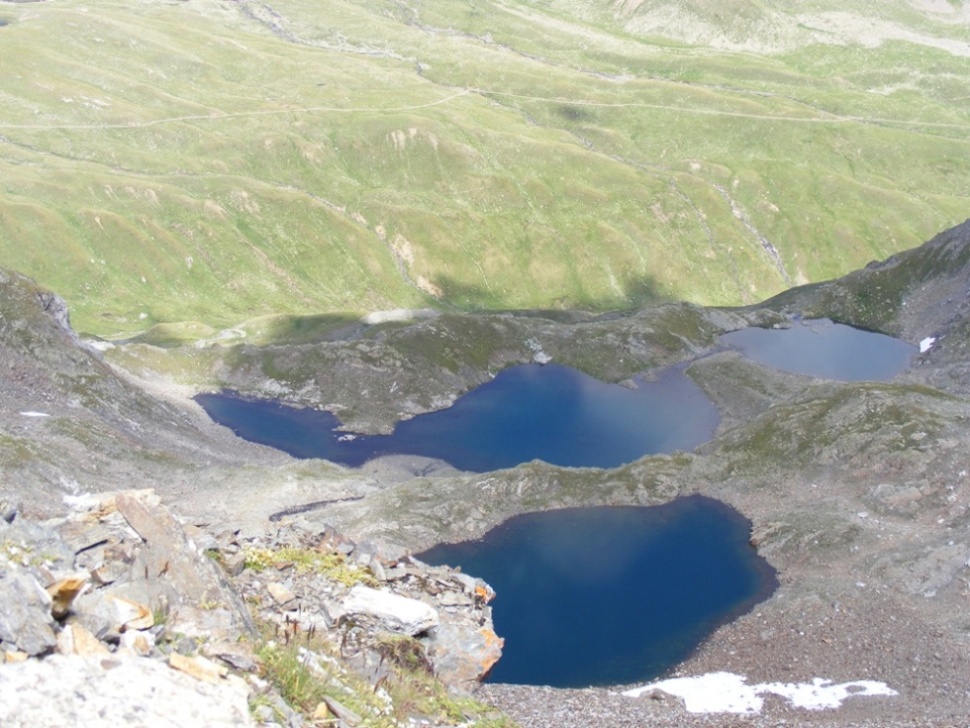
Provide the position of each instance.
(858, 492)
(773, 26)
(217, 162)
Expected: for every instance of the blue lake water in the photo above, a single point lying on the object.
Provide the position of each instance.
(821, 348)
(592, 596)
(611, 595)
(551, 413)
(562, 416)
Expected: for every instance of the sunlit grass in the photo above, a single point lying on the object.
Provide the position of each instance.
(191, 163)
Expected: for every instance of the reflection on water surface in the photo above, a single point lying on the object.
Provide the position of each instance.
(603, 596)
(551, 413)
(821, 348)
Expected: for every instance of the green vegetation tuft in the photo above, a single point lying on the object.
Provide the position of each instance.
(306, 676)
(333, 565)
(414, 690)
(300, 686)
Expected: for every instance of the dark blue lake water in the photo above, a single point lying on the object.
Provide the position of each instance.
(562, 416)
(822, 348)
(592, 596)
(551, 413)
(612, 595)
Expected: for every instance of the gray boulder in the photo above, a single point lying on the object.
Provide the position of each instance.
(391, 612)
(25, 613)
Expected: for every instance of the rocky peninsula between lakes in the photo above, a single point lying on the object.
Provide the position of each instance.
(169, 573)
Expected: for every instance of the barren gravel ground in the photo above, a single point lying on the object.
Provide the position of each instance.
(793, 637)
(536, 707)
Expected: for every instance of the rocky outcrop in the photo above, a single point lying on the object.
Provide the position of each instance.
(389, 611)
(98, 597)
(371, 599)
(113, 614)
(26, 623)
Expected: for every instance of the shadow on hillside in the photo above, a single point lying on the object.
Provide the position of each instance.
(308, 329)
(636, 292)
(279, 329)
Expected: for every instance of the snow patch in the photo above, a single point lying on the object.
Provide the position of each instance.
(69, 485)
(824, 694)
(82, 501)
(926, 344)
(715, 692)
(30, 413)
(725, 692)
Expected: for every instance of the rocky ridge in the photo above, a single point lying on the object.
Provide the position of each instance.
(113, 613)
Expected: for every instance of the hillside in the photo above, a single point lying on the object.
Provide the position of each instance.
(215, 162)
(374, 206)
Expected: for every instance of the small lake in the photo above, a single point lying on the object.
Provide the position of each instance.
(612, 595)
(562, 416)
(551, 413)
(821, 348)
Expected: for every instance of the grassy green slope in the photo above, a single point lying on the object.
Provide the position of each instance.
(217, 162)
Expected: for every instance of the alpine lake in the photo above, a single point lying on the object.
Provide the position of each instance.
(600, 595)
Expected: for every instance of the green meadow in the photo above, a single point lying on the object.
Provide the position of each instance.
(198, 165)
